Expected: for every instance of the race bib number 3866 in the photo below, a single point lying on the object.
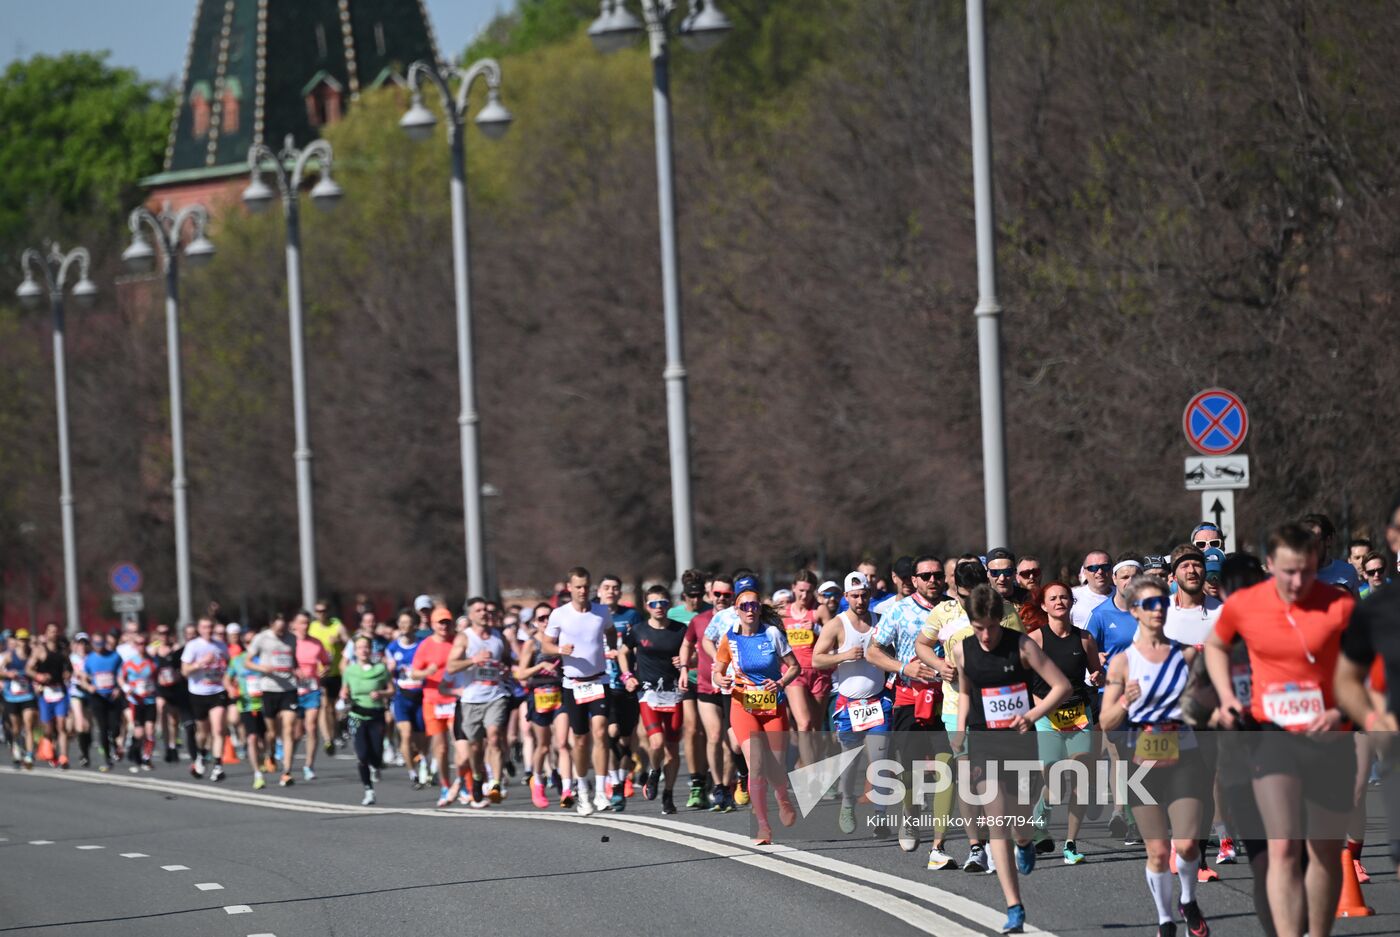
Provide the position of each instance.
(1002, 704)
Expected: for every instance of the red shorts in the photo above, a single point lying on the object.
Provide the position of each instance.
(433, 724)
(745, 723)
(816, 682)
(668, 722)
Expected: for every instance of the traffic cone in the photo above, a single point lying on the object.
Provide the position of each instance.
(230, 756)
(1351, 903)
(45, 752)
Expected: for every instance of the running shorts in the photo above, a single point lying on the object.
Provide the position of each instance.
(582, 714)
(252, 723)
(916, 738)
(332, 686)
(49, 711)
(550, 696)
(815, 682)
(310, 700)
(435, 724)
(476, 718)
(202, 706)
(715, 699)
(623, 712)
(274, 703)
(746, 724)
(1054, 745)
(1326, 767)
(13, 710)
(654, 721)
(841, 720)
(408, 707)
(142, 710)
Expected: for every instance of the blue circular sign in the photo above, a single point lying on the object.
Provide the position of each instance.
(1215, 422)
(125, 577)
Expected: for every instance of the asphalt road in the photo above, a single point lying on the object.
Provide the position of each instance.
(308, 860)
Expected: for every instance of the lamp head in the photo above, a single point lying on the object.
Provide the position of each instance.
(327, 193)
(199, 251)
(615, 30)
(30, 293)
(418, 122)
(258, 195)
(85, 292)
(140, 256)
(493, 118)
(705, 27)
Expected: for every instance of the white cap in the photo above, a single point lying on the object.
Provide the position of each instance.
(527, 613)
(856, 582)
(782, 595)
(234, 626)
(828, 586)
(423, 603)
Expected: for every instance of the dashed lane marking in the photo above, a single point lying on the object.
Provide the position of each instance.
(237, 909)
(176, 868)
(41, 842)
(209, 886)
(91, 847)
(135, 855)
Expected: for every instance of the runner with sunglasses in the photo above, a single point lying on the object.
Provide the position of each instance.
(712, 704)
(1206, 535)
(543, 678)
(172, 693)
(1097, 573)
(1292, 626)
(1144, 690)
(655, 646)
(1113, 627)
(802, 622)
(623, 711)
(1001, 572)
(754, 661)
(137, 679)
(1373, 573)
(696, 673)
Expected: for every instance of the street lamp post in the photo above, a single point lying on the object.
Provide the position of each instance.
(704, 28)
(494, 120)
(139, 257)
(988, 312)
(54, 271)
(326, 194)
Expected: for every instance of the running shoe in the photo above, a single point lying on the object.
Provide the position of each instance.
(1362, 876)
(1206, 874)
(717, 798)
(1132, 837)
(1015, 917)
(307, 774)
(374, 774)
(171, 755)
(1117, 825)
(741, 792)
(601, 802)
(566, 800)
(217, 774)
(259, 782)
(422, 773)
(764, 835)
(478, 804)
(465, 798)
(134, 769)
(977, 862)
(368, 799)
(286, 780)
(938, 860)
(668, 802)
(585, 805)
(618, 801)
(846, 820)
(1072, 856)
(651, 784)
(398, 760)
(1167, 929)
(63, 763)
(1196, 924)
(494, 793)
(145, 766)
(908, 836)
(1025, 858)
(1044, 845)
(84, 761)
(197, 768)
(104, 767)
(696, 799)
(538, 797)
(1225, 855)
(328, 747)
(445, 797)
(628, 788)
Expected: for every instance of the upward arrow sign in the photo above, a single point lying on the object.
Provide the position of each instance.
(1218, 510)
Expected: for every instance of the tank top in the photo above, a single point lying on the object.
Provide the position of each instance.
(1001, 683)
(52, 666)
(329, 636)
(75, 664)
(18, 689)
(1066, 653)
(484, 682)
(545, 678)
(857, 679)
(1161, 686)
(802, 630)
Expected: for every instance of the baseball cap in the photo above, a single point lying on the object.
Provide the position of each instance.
(22, 634)
(1214, 557)
(782, 595)
(423, 603)
(234, 626)
(904, 568)
(442, 613)
(828, 586)
(856, 582)
(82, 636)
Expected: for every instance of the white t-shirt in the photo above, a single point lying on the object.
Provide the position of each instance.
(1192, 625)
(128, 653)
(1085, 601)
(280, 653)
(212, 656)
(583, 630)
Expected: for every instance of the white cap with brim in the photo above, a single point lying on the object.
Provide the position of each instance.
(856, 582)
(423, 603)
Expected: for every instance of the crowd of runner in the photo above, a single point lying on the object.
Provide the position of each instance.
(588, 702)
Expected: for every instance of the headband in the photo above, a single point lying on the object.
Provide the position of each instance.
(1125, 563)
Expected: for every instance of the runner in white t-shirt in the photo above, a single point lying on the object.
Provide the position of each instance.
(204, 662)
(1191, 615)
(579, 633)
(1097, 588)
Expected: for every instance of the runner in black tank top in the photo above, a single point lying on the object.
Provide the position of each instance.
(996, 668)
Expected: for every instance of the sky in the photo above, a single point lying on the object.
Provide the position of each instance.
(151, 35)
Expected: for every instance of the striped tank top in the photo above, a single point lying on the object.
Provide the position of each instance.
(1161, 686)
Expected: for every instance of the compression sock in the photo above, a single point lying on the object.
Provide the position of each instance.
(364, 775)
(758, 797)
(85, 744)
(1186, 871)
(1354, 848)
(191, 741)
(741, 764)
(1160, 884)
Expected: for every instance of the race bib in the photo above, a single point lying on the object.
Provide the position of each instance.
(487, 674)
(1243, 684)
(254, 689)
(800, 637)
(166, 676)
(547, 699)
(755, 700)
(587, 692)
(1070, 718)
(17, 688)
(53, 694)
(306, 685)
(1158, 743)
(444, 710)
(865, 714)
(662, 701)
(1002, 704)
(1292, 705)
(408, 684)
(104, 680)
(145, 688)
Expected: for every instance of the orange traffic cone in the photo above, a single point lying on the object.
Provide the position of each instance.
(45, 752)
(230, 756)
(1351, 903)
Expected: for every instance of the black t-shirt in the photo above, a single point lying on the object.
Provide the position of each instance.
(653, 649)
(1375, 629)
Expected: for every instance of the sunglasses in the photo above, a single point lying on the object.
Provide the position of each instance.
(1030, 573)
(1001, 573)
(1153, 603)
(719, 592)
(829, 594)
(320, 611)
(1378, 571)
(1097, 568)
(749, 607)
(1208, 544)
(659, 603)
(932, 574)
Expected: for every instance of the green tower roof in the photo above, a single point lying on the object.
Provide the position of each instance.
(258, 70)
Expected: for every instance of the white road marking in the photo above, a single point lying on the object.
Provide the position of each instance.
(776, 859)
(237, 909)
(176, 868)
(91, 847)
(41, 842)
(209, 886)
(135, 855)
